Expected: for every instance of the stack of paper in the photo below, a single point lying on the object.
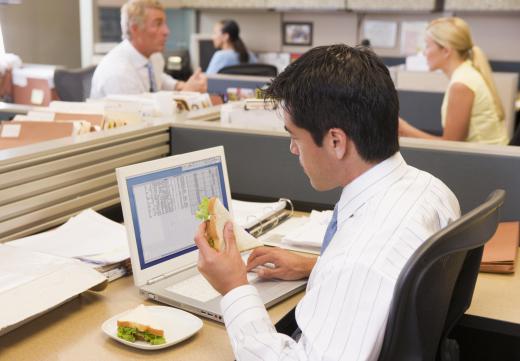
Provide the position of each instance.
(32, 283)
(311, 233)
(89, 237)
(501, 251)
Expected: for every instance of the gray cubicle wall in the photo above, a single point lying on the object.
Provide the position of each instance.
(421, 109)
(258, 165)
(261, 165)
(43, 185)
(219, 83)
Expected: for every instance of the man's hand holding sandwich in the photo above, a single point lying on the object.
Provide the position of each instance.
(224, 269)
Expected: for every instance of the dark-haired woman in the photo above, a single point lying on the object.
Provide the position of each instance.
(226, 37)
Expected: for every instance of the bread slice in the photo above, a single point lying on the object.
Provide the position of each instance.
(219, 216)
(140, 319)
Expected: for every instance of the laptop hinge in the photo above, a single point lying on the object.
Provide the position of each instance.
(166, 275)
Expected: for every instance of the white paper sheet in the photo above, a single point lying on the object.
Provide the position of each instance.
(88, 236)
(19, 267)
(33, 283)
(311, 233)
(382, 34)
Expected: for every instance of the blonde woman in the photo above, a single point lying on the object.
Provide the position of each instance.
(471, 108)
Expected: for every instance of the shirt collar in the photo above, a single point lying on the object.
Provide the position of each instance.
(361, 189)
(137, 59)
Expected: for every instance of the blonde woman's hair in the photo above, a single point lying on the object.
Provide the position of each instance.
(133, 12)
(454, 33)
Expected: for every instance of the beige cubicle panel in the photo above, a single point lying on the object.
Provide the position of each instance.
(43, 185)
(437, 82)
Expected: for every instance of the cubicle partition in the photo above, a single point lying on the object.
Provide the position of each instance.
(43, 185)
(219, 83)
(260, 165)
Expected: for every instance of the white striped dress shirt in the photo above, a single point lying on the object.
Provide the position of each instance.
(383, 217)
(123, 71)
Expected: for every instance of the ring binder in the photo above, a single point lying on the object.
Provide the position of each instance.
(273, 220)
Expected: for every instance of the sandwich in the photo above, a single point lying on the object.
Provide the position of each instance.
(139, 324)
(213, 212)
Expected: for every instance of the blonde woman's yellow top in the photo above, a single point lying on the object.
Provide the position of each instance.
(485, 126)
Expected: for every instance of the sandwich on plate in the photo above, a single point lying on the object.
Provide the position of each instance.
(140, 324)
(216, 215)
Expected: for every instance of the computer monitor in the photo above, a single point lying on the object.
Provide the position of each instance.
(201, 50)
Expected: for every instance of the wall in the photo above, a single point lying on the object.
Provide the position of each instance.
(45, 32)
(496, 33)
(261, 30)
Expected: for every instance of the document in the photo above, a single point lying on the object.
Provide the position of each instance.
(88, 236)
(32, 283)
(20, 267)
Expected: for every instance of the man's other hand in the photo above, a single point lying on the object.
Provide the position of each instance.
(279, 263)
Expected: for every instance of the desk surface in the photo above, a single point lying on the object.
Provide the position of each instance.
(73, 331)
(497, 296)
(60, 334)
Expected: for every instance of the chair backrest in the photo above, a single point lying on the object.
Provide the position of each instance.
(250, 69)
(436, 285)
(73, 85)
(515, 140)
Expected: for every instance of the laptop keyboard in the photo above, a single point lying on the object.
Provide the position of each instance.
(198, 288)
(195, 287)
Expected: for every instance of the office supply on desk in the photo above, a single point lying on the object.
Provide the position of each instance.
(500, 252)
(159, 199)
(27, 276)
(237, 114)
(209, 113)
(88, 237)
(18, 133)
(259, 217)
(178, 326)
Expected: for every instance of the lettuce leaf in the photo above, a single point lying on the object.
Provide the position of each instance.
(126, 333)
(203, 212)
(131, 334)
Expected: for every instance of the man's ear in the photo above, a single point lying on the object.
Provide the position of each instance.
(133, 30)
(338, 142)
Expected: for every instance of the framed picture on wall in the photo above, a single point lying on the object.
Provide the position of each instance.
(297, 33)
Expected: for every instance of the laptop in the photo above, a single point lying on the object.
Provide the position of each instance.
(159, 199)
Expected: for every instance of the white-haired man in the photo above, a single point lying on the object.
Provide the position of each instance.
(136, 65)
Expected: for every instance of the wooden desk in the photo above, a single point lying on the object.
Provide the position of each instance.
(73, 332)
(496, 303)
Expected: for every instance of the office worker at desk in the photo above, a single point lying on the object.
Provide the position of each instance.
(471, 108)
(136, 65)
(233, 51)
(341, 111)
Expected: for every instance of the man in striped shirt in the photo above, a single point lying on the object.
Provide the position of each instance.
(341, 111)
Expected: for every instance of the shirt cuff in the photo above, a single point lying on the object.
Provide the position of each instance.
(241, 306)
(168, 82)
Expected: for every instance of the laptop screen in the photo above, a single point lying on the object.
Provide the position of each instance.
(163, 206)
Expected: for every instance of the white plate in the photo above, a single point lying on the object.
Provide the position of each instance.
(178, 326)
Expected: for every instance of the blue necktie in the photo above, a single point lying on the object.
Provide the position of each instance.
(331, 230)
(151, 77)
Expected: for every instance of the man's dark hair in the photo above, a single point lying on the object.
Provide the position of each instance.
(339, 86)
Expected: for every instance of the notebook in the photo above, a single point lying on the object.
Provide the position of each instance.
(500, 252)
(159, 199)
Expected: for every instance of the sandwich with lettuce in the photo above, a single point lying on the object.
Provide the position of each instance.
(213, 212)
(139, 324)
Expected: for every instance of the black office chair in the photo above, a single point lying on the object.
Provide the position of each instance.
(73, 85)
(436, 286)
(516, 137)
(250, 69)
